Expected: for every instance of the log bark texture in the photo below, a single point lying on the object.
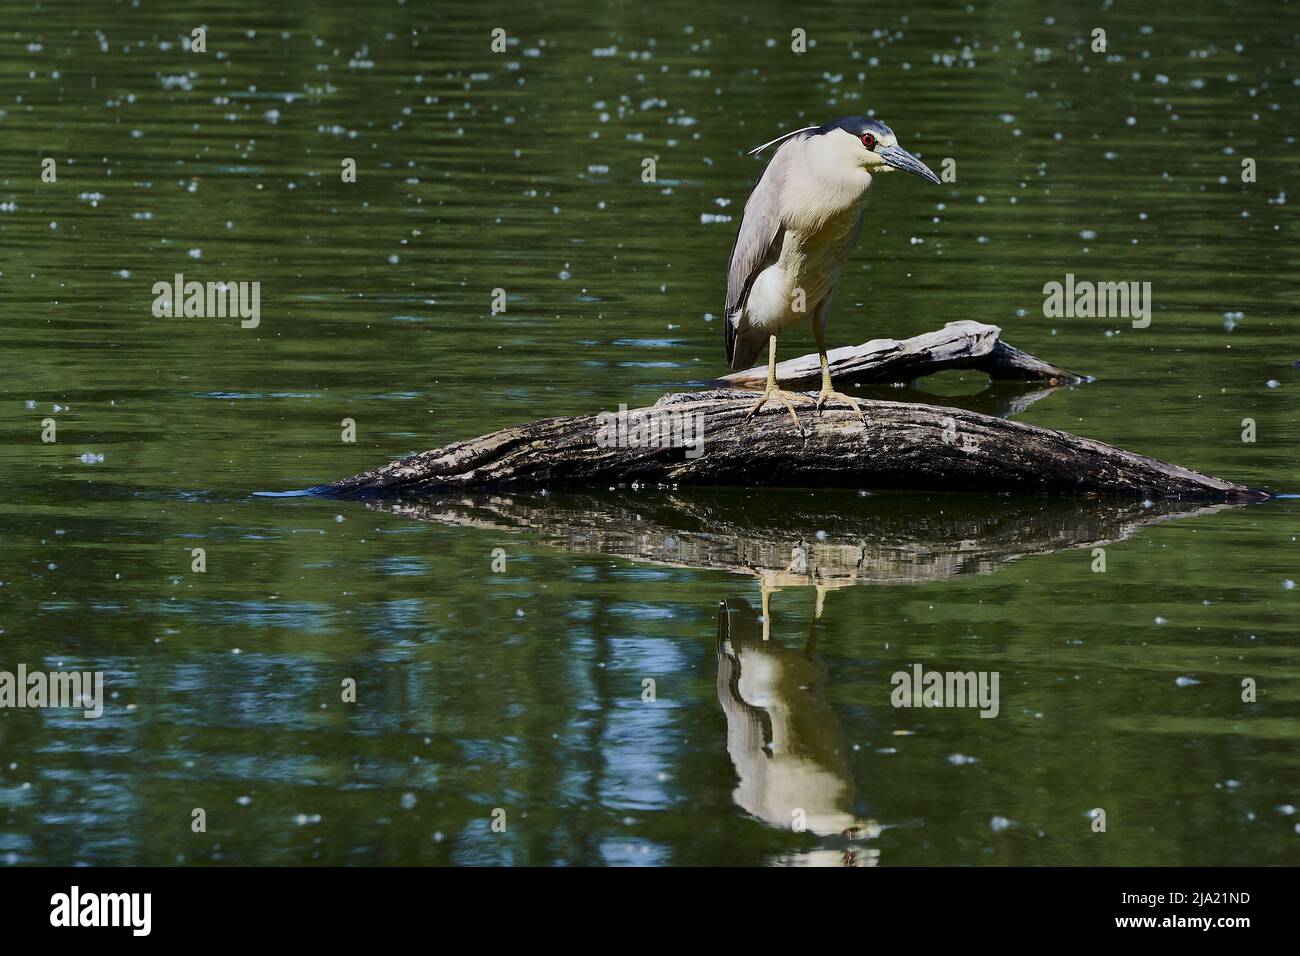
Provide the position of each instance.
(901, 445)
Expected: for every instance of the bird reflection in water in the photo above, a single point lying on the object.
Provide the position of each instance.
(785, 741)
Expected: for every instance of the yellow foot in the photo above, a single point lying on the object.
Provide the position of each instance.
(849, 399)
(772, 392)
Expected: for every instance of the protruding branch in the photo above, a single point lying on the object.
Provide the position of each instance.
(965, 344)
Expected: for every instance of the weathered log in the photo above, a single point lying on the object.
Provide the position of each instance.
(901, 445)
(792, 539)
(707, 438)
(966, 345)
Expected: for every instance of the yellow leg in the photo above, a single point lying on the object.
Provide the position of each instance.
(772, 391)
(827, 391)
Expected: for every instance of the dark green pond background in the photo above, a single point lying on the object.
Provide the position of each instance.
(522, 689)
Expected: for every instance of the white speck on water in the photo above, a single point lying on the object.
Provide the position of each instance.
(408, 801)
(961, 760)
(1001, 823)
(1186, 681)
(1273, 383)
(1161, 620)
(91, 458)
(243, 801)
(1288, 584)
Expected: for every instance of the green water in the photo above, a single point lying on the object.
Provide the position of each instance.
(521, 688)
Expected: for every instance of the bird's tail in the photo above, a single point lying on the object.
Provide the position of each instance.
(744, 343)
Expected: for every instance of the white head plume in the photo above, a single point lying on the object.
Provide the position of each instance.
(758, 149)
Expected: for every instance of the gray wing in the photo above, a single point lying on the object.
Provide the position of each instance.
(758, 245)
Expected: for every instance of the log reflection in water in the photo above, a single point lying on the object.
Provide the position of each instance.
(792, 538)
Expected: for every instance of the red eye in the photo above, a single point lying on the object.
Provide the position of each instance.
(868, 141)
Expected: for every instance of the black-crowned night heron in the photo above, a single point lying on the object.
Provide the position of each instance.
(801, 222)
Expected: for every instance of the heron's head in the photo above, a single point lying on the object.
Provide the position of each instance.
(871, 145)
(858, 143)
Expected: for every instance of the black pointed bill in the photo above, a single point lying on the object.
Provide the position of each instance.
(900, 158)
